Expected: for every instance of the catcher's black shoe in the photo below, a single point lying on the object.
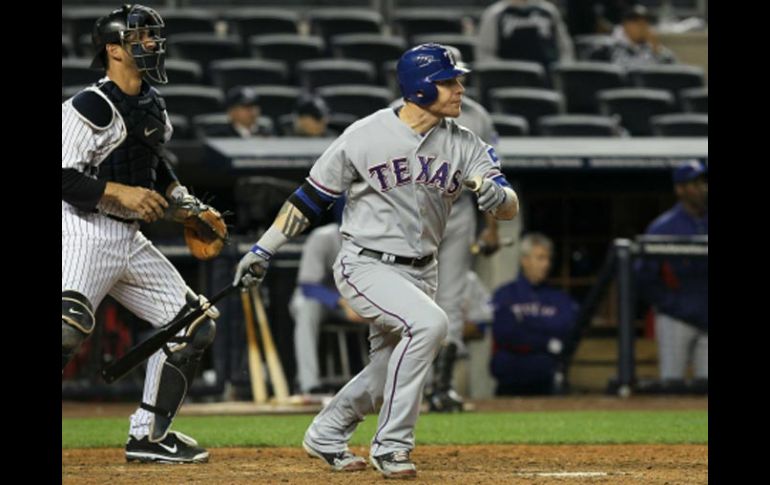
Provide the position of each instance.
(174, 448)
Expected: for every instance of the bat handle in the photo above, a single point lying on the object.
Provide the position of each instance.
(473, 183)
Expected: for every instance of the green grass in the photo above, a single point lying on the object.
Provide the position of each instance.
(578, 427)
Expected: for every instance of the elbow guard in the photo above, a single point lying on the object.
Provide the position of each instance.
(310, 201)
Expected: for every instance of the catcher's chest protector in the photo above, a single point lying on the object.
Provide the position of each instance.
(134, 162)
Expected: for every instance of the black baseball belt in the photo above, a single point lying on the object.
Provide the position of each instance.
(390, 258)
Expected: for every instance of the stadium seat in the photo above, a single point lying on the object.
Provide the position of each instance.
(593, 47)
(328, 72)
(77, 72)
(695, 100)
(490, 74)
(580, 81)
(228, 73)
(376, 48)
(510, 125)
(680, 124)
(356, 100)
(180, 71)
(579, 126)
(329, 22)
(275, 101)
(635, 106)
(205, 48)
(186, 21)
(671, 77)
(290, 48)
(248, 22)
(189, 100)
(531, 103)
(411, 23)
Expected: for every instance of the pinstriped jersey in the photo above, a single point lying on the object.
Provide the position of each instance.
(400, 185)
(84, 146)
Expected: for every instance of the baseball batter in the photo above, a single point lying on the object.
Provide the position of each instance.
(400, 170)
(112, 165)
(455, 262)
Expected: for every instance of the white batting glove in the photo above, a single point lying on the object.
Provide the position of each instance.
(490, 195)
(252, 267)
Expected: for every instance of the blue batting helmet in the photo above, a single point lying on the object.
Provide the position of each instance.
(422, 66)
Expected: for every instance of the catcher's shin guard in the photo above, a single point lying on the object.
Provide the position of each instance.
(443, 398)
(445, 363)
(77, 323)
(183, 357)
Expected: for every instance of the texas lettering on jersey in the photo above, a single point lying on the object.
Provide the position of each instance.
(396, 172)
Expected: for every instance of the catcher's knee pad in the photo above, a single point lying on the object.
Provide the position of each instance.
(77, 323)
(183, 357)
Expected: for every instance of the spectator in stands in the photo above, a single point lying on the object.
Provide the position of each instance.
(636, 42)
(311, 118)
(531, 322)
(527, 30)
(677, 287)
(243, 111)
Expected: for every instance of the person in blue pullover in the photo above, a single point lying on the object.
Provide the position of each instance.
(531, 322)
(677, 286)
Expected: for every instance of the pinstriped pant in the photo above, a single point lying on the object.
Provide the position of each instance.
(101, 256)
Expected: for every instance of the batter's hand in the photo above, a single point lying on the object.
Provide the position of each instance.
(490, 195)
(251, 269)
(149, 204)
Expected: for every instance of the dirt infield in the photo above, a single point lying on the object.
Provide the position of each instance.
(525, 464)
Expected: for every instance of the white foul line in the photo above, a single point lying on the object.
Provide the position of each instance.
(564, 474)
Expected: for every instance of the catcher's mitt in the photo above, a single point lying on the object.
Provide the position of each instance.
(205, 231)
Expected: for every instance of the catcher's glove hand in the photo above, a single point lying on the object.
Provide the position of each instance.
(205, 231)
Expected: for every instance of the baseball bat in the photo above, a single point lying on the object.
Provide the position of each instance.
(274, 367)
(258, 386)
(473, 183)
(479, 245)
(140, 352)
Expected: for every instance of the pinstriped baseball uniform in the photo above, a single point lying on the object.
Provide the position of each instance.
(400, 187)
(102, 256)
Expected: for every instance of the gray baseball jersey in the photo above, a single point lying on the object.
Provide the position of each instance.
(400, 187)
(103, 256)
(454, 255)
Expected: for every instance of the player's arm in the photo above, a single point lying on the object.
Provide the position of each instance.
(329, 177)
(89, 133)
(301, 209)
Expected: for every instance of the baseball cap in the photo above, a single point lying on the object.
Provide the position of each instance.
(241, 96)
(687, 171)
(311, 106)
(637, 12)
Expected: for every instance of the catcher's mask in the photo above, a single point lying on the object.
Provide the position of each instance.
(126, 26)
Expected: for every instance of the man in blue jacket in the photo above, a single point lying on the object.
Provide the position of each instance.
(531, 321)
(677, 286)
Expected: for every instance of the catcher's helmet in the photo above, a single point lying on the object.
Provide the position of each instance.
(116, 28)
(423, 65)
